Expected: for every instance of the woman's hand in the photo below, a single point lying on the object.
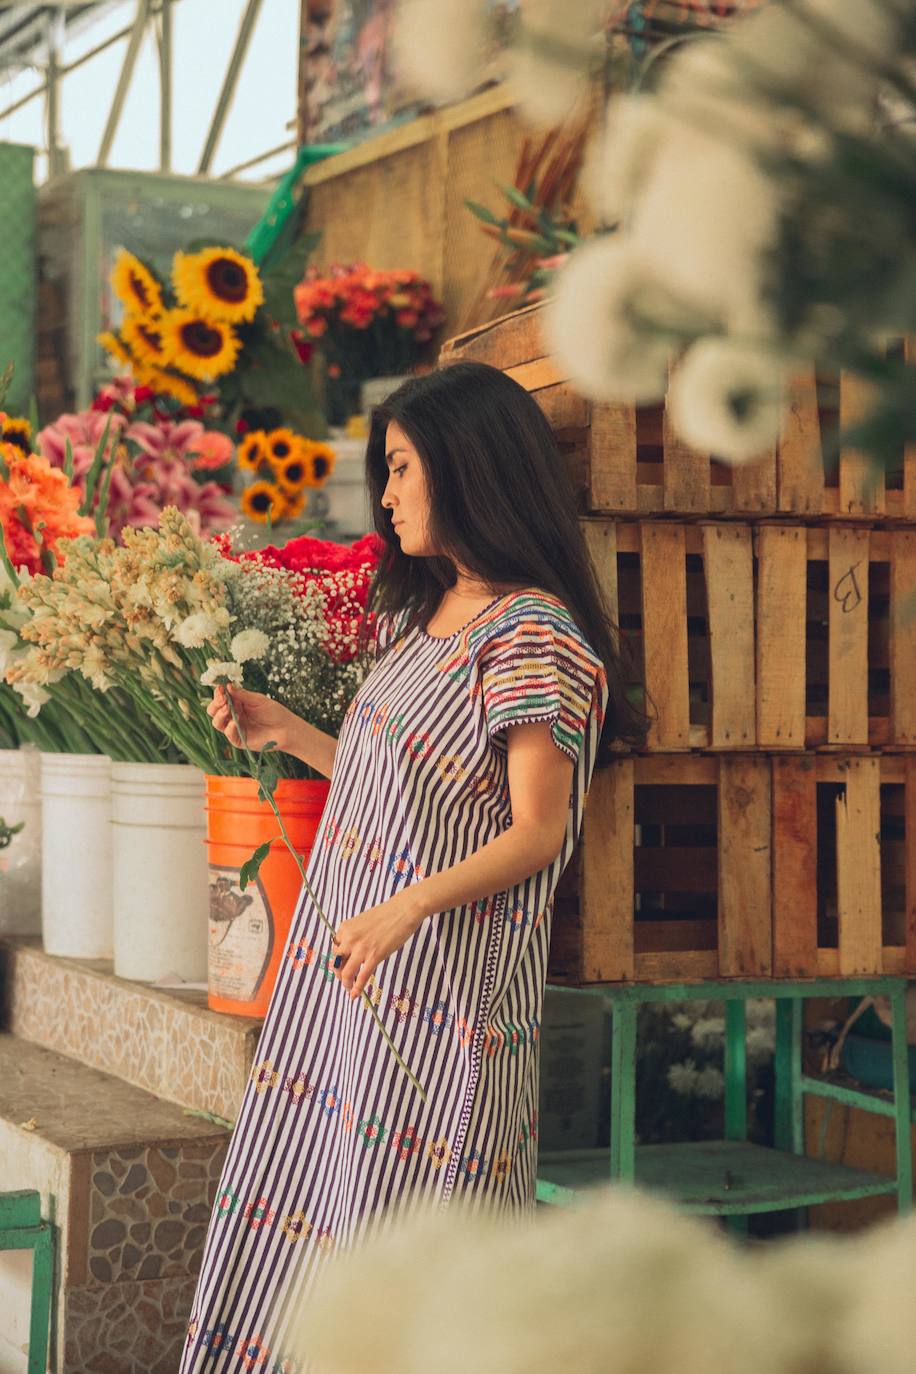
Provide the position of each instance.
(262, 719)
(361, 943)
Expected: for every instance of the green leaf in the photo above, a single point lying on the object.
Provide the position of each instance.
(482, 212)
(252, 867)
(68, 460)
(268, 774)
(518, 198)
(101, 510)
(33, 414)
(6, 381)
(94, 472)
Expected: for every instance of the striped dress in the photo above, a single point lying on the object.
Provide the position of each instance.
(332, 1138)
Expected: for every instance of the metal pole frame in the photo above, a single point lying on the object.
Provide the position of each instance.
(164, 36)
(134, 44)
(230, 82)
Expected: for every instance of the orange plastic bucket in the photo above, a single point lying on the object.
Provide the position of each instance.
(248, 931)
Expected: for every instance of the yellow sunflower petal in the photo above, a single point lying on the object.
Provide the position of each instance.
(263, 499)
(294, 474)
(252, 451)
(144, 337)
(18, 431)
(281, 445)
(167, 384)
(219, 283)
(135, 286)
(294, 505)
(320, 462)
(202, 348)
(115, 345)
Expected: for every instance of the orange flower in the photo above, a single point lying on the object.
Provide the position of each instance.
(36, 498)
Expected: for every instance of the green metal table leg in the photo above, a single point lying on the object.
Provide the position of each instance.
(789, 1125)
(736, 1086)
(623, 1092)
(902, 1101)
(735, 1070)
(42, 1276)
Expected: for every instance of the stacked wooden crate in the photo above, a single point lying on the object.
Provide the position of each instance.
(769, 826)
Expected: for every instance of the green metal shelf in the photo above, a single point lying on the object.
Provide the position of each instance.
(715, 1177)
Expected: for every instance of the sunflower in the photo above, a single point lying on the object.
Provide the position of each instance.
(319, 462)
(219, 283)
(143, 336)
(201, 348)
(135, 286)
(166, 384)
(16, 431)
(295, 472)
(282, 444)
(252, 451)
(293, 505)
(262, 501)
(115, 345)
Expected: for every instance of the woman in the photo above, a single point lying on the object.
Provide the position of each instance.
(457, 786)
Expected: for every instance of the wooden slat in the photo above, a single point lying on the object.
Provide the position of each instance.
(801, 464)
(608, 900)
(601, 542)
(686, 478)
(729, 566)
(661, 770)
(847, 621)
(781, 600)
(908, 495)
(858, 857)
(507, 342)
(910, 872)
(892, 962)
(794, 866)
(664, 621)
(536, 374)
(613, 458)
(754, 486)
(682, 966)
(861, 477)
(564, 408)
(745, 900)
(902, 647)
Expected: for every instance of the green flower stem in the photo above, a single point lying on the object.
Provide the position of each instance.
(367, 1001)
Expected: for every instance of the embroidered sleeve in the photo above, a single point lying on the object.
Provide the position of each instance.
(537, 667)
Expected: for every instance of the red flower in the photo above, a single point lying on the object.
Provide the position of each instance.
(241, 427)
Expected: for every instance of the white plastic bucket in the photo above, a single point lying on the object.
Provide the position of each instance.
(160, 873)
(20, 861)
(76, 906)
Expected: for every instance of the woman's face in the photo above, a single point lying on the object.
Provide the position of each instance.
(406, 494)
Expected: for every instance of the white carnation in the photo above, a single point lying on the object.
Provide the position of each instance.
(215, 671)
(611, 326)
(618, 157)
(726, 399)
(249, 644)
(557, 48)
(198, 629)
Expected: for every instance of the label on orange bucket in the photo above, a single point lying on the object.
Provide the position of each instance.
(241, 935)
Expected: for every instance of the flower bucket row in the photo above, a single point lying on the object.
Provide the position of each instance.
(139, 865)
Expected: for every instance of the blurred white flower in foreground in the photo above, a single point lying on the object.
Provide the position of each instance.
(439, 46)
(610, 323)
(558, 48)
(726, 397)
(623, 1284)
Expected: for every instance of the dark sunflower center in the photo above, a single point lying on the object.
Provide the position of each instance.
(293, 472)
(262, 500)
(200, 339)
(138, 286)
(321, 466)
(227, 280)
(15, 436)
(281, 449)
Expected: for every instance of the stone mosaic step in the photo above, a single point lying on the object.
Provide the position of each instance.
(167, 1041)
(129, 1181)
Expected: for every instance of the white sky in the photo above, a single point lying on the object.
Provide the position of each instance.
(204, 32)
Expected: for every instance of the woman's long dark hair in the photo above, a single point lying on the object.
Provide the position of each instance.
(502, 505)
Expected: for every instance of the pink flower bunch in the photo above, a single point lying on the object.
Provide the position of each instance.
(153, 465)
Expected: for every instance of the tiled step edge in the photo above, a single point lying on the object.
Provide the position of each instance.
(165, 1041)
(129, 1183)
